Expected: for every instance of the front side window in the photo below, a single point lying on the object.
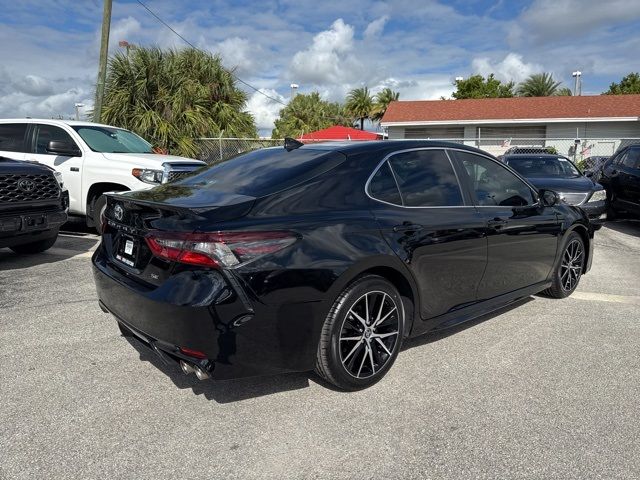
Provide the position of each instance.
(493, 184)
(632, 158)
(112, 140)
(426, 179)
(12, 137)
(48, 133)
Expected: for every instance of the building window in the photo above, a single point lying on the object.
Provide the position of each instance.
(533, 135)
(437, 133)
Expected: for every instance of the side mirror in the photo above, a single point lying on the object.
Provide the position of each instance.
(548, 198)
(66, 149)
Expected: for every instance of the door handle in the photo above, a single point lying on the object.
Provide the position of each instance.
(407, 227)
(74, 169)
(496, 223)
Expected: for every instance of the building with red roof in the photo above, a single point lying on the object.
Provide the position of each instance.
(338, 132)
(490, 121)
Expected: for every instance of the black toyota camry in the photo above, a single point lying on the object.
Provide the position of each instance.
(325, 257)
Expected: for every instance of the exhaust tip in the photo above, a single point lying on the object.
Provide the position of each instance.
(186, 368)
(201, 374)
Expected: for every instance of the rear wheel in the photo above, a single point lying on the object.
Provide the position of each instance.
(362, 334)
(36, 247)
(568, 272)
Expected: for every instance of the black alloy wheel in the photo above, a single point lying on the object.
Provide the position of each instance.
(362, 334)
(569, 270)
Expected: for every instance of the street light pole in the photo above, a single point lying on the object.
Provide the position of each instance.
(577, 88)
(77, 106)
(104, 55)
(294, 89)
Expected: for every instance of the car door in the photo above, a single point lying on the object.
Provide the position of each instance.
(69, 166)
(628, 177)
(522, 235)
(428, 221)
(13, 140)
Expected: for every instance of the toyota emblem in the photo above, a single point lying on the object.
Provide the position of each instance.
(26, 185)
(118, 212)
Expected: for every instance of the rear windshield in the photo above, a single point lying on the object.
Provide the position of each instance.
(543, 167)
(266, 171)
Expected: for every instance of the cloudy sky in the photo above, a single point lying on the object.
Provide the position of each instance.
(49, 48)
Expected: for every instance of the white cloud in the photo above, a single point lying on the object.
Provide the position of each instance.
(511, 67)
(328, 60)
(546, 20)
(33, 85)
(123, 29)
(376, 27)
(236, 53)
(265, 110)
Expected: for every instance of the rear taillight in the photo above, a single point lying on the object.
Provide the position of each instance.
(219, 249)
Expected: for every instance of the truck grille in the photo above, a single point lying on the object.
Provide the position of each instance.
(177, 175)
(28, 188)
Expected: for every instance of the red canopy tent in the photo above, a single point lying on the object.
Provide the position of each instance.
(339, 133)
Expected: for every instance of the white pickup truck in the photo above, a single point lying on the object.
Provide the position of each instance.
(92, 158)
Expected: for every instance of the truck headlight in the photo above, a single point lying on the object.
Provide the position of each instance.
(58, 176)
(598, 196)
(147, 176)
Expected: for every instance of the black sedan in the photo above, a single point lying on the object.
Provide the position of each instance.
(327, 256)
(557, 173)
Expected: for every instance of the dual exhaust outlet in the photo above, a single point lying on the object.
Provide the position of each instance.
(188, 368)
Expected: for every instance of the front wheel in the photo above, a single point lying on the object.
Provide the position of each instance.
(362, 334)
(569, 271)
(36, 247)
(98, 206)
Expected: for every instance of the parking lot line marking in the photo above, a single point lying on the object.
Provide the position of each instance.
(65, 252)
(607, 297)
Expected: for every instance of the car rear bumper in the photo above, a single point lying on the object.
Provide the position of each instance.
(203, 311)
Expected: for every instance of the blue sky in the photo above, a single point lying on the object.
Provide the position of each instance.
(49, 48)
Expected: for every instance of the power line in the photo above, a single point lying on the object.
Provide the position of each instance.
(196, 48)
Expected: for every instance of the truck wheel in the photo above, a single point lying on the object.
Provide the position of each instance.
(35, 247)
(98, 206)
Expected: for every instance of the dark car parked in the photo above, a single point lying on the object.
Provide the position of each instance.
(593, 165)
(327, 256)
(33, 205)
(558, 173)
(621, 177)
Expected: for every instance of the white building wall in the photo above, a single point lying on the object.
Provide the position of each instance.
(594, 130)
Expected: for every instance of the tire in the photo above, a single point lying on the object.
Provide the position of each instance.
(569, 270)
(355, 350)
(35, 247)
(98, 205)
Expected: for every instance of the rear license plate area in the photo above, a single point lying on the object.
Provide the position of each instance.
(127, 250)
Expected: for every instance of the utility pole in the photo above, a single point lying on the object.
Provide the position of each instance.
(104, 55)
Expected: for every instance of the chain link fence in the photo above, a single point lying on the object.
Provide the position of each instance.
(216, 150)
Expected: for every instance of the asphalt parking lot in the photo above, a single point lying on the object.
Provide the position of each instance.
(544, 389)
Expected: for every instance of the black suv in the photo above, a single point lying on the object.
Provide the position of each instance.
(33, 205)
(620, 175)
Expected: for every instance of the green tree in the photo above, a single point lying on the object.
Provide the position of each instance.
(308, 113)
(173, 97)
(359, 105)
(563, 92)
(538, 85)
(381, 102)
(629, 84)
(476, 86)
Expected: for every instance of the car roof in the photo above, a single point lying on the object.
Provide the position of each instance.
(356, 147)
(55, 121)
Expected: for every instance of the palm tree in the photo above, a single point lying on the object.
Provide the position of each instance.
(538, 85)
(381, 102)
(173, 97)
(306, 113)
(563, 92)
(359, 105)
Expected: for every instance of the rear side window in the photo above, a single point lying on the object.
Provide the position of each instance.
(266, 171)
(426, 179)
(383, 186)
(12, 137)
